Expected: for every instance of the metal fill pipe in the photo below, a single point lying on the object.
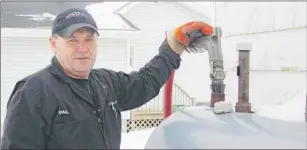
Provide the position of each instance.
(243, 104)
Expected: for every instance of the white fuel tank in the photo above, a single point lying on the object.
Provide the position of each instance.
(198, 128)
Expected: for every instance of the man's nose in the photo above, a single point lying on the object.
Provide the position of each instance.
(82, 47)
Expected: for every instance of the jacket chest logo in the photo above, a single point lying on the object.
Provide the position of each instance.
(63, 112)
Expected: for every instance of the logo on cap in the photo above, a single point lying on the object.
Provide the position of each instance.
(76, 14)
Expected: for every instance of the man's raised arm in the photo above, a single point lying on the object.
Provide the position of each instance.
(138, 87)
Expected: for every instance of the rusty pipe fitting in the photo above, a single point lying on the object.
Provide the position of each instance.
(216, 97)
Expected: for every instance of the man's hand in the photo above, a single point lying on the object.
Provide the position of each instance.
(178, 39)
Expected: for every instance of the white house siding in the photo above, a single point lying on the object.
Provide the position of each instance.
(112, 54)
(270, 50)
(283, 23)
(278, 34)
(153, 19)
(277, 31)
(20, 57)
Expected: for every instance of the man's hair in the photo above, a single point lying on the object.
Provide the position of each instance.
(56, 36)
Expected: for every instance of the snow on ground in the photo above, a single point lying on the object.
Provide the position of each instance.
(136, 139)
(39, 17)
(292, 110)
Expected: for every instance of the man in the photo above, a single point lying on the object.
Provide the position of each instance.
(69, 105)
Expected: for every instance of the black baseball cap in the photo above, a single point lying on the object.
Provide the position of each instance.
(72, 19)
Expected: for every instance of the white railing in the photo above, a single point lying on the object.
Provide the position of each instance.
(179, 97)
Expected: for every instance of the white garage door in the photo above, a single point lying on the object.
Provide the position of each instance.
(21, 56)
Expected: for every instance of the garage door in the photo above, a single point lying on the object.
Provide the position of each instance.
(21, 56)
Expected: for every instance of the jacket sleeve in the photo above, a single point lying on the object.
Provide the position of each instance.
(138, 87)
(23, 126)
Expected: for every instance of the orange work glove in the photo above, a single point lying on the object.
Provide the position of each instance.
(186, 34)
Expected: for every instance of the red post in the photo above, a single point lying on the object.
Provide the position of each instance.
(168, 89)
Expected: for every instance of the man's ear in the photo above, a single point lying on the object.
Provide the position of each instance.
(52, 41)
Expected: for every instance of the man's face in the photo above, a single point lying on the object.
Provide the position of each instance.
(77, 53)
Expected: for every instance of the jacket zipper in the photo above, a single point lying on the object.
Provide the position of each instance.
(100, 122)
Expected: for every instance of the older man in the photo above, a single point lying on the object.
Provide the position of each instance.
(69, 105)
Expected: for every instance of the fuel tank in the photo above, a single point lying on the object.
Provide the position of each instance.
(198, 127)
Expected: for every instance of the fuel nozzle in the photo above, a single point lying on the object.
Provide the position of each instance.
(200, 42)
(195, 34)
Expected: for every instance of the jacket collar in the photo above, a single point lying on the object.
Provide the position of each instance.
(58, 71)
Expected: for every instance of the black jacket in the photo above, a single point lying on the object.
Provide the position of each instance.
(47, 110)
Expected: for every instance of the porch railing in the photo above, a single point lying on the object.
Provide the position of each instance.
(179, 97)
